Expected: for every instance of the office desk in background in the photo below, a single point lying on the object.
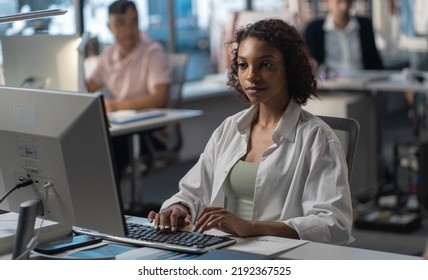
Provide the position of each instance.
(362, 95)
(132, 129)
(170, 116)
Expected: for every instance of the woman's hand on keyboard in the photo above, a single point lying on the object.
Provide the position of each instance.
(177, 215)
(222, 219)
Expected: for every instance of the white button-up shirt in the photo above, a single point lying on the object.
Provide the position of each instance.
(343, 46)
(302, 178)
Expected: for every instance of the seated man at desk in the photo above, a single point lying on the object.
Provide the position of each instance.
(273, 169)
(134, 70)
(341, 41)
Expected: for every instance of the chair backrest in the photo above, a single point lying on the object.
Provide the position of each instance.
(347, 130)
(178, 64)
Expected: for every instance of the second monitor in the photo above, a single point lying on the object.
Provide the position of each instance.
(41, 61)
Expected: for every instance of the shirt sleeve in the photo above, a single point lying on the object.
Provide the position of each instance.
(97, 74)
(160, 72)
(326, 198)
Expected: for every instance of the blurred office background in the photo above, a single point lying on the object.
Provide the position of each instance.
(201, 27)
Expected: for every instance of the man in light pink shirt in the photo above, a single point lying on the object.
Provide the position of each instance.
(134, 70)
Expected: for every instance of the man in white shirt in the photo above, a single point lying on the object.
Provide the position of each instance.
(342, 41)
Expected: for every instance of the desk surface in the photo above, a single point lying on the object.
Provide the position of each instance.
(390, 85)
(319, 251)
(171, 116)
(367, 80)
(374, 81)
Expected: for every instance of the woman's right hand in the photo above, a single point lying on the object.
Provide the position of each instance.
(177, 215)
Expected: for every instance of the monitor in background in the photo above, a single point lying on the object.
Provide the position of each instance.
(41, 61)
(59, 139)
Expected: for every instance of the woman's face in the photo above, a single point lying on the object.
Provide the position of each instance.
(261, 72)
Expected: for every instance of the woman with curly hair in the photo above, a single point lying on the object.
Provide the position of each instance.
(272, 169)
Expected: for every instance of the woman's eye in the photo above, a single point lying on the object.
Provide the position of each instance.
(242, 65)
(266, 64)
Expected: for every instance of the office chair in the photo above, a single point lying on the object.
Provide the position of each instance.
(347, 130)
(160, 158)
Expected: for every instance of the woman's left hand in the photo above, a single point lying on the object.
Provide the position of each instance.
(222, 219)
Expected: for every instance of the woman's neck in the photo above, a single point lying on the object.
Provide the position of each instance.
(270, 115)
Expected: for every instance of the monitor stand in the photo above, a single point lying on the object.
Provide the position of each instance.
(25, 231)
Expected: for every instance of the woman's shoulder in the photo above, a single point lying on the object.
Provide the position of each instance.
(314, 124)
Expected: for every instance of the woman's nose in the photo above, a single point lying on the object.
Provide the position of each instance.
(252, 75)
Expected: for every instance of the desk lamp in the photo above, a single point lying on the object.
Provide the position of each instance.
(32, 15)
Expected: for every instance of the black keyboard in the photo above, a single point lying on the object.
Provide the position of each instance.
(184, 241)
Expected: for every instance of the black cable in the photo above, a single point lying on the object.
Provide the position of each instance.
(20, 185)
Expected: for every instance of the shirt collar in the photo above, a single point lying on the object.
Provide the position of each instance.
(116, 54)
(329, 24)
(287, 124)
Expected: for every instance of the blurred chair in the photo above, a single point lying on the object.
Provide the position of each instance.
(156, 158)
(347, 130)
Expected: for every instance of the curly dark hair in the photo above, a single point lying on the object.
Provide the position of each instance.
(301, 80)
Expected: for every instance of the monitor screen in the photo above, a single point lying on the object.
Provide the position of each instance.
(60, 138)
(41, 61)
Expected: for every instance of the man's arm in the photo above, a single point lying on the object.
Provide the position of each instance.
(158, 98)
(92, 86)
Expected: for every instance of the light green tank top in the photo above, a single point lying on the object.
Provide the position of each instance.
(239, 189)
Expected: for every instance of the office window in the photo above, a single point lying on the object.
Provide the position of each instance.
(59, 25)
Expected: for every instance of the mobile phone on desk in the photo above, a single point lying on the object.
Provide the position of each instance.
(68, 243)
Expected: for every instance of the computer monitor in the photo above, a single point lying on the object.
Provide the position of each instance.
(61, 138)
(41, 61)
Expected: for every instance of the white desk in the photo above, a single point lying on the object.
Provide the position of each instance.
(319, 251)
(391, 85)
(322, 251)
(171, 116)
(360, 80)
